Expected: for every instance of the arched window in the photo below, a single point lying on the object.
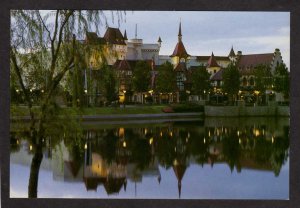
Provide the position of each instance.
(244, 81)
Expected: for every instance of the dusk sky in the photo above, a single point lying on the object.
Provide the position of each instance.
(204, 32)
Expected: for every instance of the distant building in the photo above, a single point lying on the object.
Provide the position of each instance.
(122, 54)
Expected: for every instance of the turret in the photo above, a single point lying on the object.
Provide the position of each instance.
(159, 41)
(232, 56)
(125, 37)
(179, 33)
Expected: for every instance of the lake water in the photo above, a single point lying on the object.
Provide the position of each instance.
(218, 158)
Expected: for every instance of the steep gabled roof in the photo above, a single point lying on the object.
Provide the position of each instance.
(180, 51)
(217, 76)
(252, 60)
(114, 36)
(122, 65)
(113, 185)
(180, 67)
(92, 38)
(219, 58)
(212, 61)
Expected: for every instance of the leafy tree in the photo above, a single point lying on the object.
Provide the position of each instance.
(43, 50)
(166, 78)
(282, 79)
(141, 76)
(263, 78)
(110, 83)
(200, 80)
(231, 77)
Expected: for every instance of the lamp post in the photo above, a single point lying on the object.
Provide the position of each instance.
(86, 97)
(240, 92)
(256, 93)
(124, 91)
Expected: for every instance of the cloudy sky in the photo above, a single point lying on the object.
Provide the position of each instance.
(204, 32)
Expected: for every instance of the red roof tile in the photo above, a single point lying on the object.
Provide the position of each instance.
(219, 58)
(114, 36)
(252, 60)
(180, 51)
(212, 61)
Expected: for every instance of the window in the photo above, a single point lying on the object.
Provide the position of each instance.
(244, 81)
(180, 81)
(251, 81)
(215, 71)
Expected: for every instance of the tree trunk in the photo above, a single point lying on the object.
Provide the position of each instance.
(34, 172)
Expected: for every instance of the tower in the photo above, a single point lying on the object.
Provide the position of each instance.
(232, 56)
(179, 54)
(159, 41)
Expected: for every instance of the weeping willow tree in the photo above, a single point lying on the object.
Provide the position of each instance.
(44, 49)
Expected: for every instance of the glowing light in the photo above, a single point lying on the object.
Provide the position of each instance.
(160, 134)
(240, 141)
(257, 132)
(124, 144)
(30, 90)
(171, 133)
(204, 141)
(272, 139)
(238, 133)
(17, 141)
(30, 147)
(42, 91)
(85, 146)
(151, 140)
(85, 91)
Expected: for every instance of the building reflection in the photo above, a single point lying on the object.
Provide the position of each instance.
(113, 157)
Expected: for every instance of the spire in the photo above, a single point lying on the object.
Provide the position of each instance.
(212, 61)
(135, 31)
(125, 35)
(179, 189)
(159, 39)
(231, 54)
(179, 32)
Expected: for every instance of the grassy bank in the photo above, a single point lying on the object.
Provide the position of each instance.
(152, 109)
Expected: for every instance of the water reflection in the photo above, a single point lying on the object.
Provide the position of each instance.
(115, 156)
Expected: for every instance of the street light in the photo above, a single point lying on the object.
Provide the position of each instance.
(256, 93)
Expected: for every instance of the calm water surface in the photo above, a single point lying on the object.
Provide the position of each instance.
(214, 159)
